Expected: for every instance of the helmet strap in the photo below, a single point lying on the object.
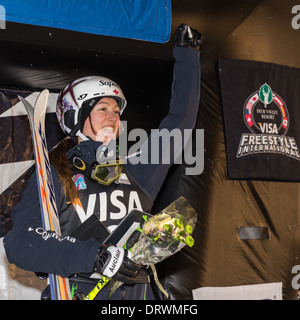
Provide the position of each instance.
(82, 136)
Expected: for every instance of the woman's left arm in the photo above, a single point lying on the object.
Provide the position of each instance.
(182, 115)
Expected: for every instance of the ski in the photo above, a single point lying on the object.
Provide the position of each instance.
(59, 287)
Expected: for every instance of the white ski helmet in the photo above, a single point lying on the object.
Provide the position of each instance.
(77, 99)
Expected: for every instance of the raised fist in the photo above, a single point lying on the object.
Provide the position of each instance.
(185, 36)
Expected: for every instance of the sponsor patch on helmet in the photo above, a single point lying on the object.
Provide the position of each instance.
(108, 83)
(82, 96)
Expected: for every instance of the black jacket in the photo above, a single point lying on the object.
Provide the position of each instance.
(31, 248)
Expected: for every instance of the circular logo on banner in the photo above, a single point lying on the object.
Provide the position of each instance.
(267, 118)
(265, 112)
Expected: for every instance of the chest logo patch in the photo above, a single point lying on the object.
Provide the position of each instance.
(79, 182)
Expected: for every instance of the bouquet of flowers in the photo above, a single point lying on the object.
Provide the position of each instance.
(163, 235)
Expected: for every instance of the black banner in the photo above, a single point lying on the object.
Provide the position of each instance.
(261, 106)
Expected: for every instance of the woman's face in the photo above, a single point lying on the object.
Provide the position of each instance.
(104, 120)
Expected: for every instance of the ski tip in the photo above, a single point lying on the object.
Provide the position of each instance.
(44, 92)
(41, 102)
(21, 98)
(43, 96)
(27, 106)
(25, 102)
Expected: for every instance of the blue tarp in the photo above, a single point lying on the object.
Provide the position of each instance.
(148, 20)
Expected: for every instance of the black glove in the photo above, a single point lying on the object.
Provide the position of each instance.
(114, 263)
(185, 36)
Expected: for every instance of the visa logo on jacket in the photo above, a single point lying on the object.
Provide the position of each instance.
(111, 207)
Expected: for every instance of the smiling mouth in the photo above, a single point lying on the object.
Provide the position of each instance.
(108, 129)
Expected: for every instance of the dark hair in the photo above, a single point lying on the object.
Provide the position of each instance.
(64, 169)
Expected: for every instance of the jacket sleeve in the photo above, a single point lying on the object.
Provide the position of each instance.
(32, 248)
(151, 172)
